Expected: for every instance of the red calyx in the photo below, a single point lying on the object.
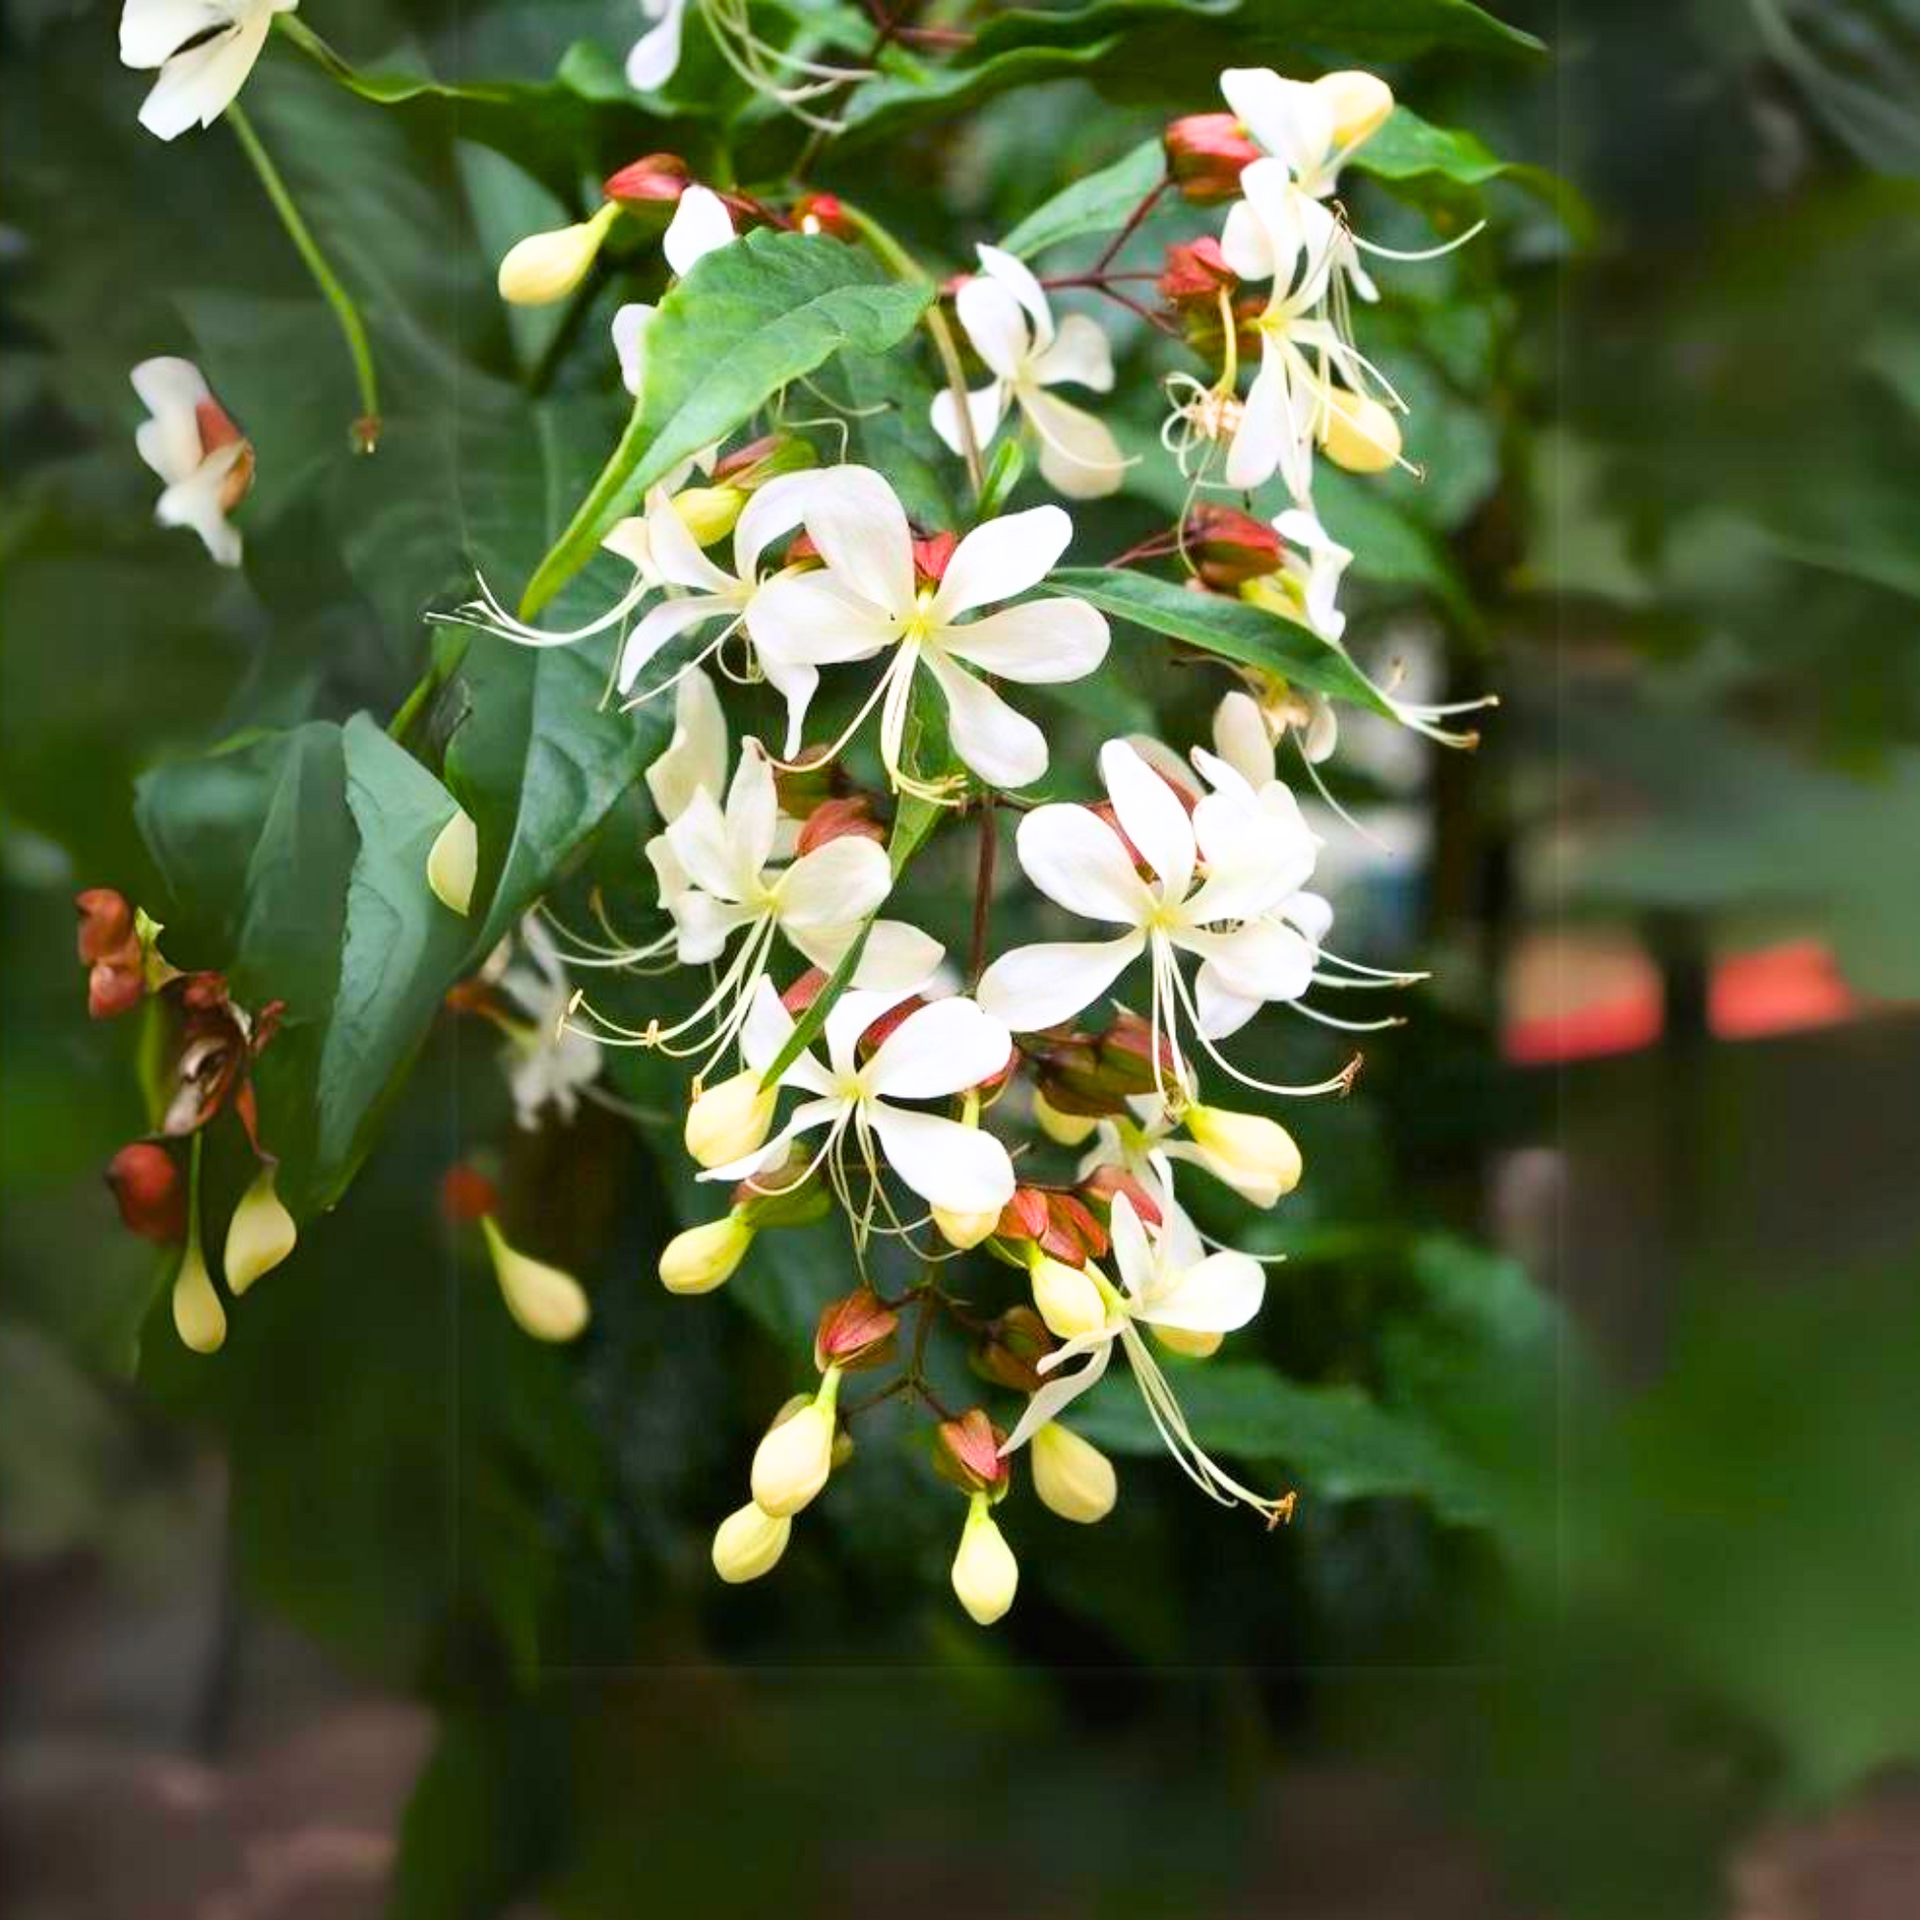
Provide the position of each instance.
(656, 179)
(840, 820)
(147, 1188)
(1206, 154)
(466, 1194)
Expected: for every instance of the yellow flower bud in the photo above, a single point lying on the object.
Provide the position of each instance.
(708, 513)
(1071, 1475)
(1067, 1129)
(985, 1573)
(1068, 1299)
(198, 1316)
(792, 1461)
(729, 1121)
(545, 267)
(703, 1257)
(1184, 1340)
(453, 860)
(546, 1302)
(1358, 433)
(964, 1230)
(1255, 1156)
(259, 1236)
(1360, 103)
(748, 1543)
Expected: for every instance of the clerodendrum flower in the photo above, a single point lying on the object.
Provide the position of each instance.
(938, 1050)
(1172, 1282)
(191, 443)
(547, 1060)
(1257, 853)
(204, 49)
(1314, 126)
(868, 598)
(1005, 312)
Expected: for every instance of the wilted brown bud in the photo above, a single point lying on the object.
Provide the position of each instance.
(1206, 154)
(147, 1188)
(855, 1332)
(656, 179)
(1231, 546)
(1015, 1345)
(966, 1454)
(823, 213)
(839, 820)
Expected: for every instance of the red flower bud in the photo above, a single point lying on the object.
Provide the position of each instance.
(466, 1194)
(855, 1332)
(1104, 1182)
(1232, 546)
(966, 1453)
(106, 923)
(839, 820)
(823, 213)
(658, 178)
(1206, 154)
(1196, 275)
(147, 1189)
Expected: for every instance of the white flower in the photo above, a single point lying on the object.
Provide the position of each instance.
(1170, 1281)
(868, 599)
(548, 1060)
(192, 444)
(1314, 127)
(700, 225)
(938, 1050)
(1255, 858)
(656, 54)
(1006, 315)
(204, 49)
(675, 558)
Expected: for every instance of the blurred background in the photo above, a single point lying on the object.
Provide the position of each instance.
(1594, 1355)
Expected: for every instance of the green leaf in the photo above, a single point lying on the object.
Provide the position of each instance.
(1408, 148)
(1098, 204)
(808, 1027)
(749, 318)
(1229, 628)
(1339, 1442)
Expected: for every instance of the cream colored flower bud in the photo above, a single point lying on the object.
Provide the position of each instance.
(1067, 1129)
(704, 1257)
(545, 267)
(728, 1121)
(749, 1543)
(985, 1573)
(1358, 433)
(1360, 103)
(259, 1236)
(1185, 1341)
(453, 861)
(546, 1302)
(792, 1462)
(964, 1230)
(1255, 1156)
(1071, 1475)
(708, 513)
(198, 1316)
(1067, 1298)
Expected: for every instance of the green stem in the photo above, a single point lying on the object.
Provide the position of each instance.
(900, 262)
(366, 430)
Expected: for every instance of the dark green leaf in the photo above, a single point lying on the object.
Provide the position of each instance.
(1409, 148)
(1098, 204)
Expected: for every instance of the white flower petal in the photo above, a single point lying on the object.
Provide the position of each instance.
(1050, 1400)
(773, 511)
(837, 885)
(962, 1169)
(661, 625)
(813, 619)
(1016, 276)
(985, 405)
(1263, 959)
(1039, 986)
(994, 323)
(1076, 859)
(1312, 913)
(1080, 356)
(939, 1049)
(700, 844)
(656, 54)
(696, 756)
(1079, 456)
(1220, 1011)
(700, 225)
(858, 524)
(1151, 814)
(1241, 739)
(1265, 424)
(674, 551)
(1039, 642)
(852, 1014)
(1217, 1295)
(630, 324)
(170, 389)
(1001, 558)
(1132, 1250)
(808, 1115)
(898, 959)
(753, 808)
(1003, 747)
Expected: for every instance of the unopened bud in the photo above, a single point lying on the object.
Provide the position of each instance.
(1230, 546)
(454, 861)
(545, 267)
(1126, 1057)
(1068, 1299)
(259, 1236)
(1071, 1475)
(705, 1256)
(792, 1462)
(855, 1332)
(1196, 275)
(708, 513)
(748, 1543)
(547, 1303)
(147, 1189)
(1206, 154)
(729, 1121)
(1015, 1345)
(656, 179)
(1065, 1129)
(1357, 432)
(1360, 103)
(966, 1454)
(1255, 1156)
(985, 1573)
(198, 1316)
(965, 1230)
(848, 818)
